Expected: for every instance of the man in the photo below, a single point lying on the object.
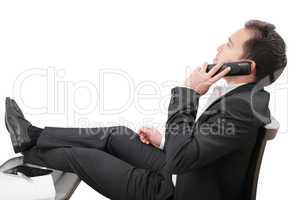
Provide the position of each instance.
(209, 155)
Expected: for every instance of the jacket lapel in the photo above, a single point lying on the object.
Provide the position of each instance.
(212, 109)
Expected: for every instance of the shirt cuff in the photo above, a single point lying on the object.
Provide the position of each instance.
(183, 85)
(162, 143)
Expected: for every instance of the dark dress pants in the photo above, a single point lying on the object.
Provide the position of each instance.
(111, 160)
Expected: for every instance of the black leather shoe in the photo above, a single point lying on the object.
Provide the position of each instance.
(17, 108)
(17, 126)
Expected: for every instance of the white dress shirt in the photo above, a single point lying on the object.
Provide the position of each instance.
(218, 91)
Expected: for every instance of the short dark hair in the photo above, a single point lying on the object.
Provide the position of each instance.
(267, 49)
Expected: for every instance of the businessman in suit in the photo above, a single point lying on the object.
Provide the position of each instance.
(209, 156)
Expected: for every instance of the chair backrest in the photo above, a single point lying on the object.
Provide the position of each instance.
(268, 132)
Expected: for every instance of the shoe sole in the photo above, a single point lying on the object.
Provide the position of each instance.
(13, 138)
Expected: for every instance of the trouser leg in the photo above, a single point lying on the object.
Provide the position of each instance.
(110, 176)
(120, 141)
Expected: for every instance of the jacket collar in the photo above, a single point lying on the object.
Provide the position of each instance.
(236, 90)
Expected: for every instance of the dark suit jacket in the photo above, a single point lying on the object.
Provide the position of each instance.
(211, 155)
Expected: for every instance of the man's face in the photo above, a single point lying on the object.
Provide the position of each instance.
(232, 50)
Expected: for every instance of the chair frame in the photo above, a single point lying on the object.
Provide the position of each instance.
(266, 133)
(65, 183)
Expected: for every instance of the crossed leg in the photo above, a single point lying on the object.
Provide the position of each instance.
(111, 160)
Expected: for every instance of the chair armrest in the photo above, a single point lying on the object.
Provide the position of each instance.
(272, 128)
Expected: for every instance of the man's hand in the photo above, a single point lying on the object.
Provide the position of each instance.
(200, 80)
(150, 136)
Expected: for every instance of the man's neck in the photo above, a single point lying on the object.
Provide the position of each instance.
(236, 80)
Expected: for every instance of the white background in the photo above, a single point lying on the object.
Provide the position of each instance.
(53, 55)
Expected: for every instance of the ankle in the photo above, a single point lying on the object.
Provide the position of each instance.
(34, 132)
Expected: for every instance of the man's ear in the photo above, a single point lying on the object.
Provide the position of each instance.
(253, 67)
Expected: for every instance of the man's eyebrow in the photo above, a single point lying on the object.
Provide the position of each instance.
(230, 41)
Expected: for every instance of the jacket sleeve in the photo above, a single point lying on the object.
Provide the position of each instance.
(191, 145)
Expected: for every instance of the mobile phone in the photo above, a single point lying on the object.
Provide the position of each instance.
(28, 171)
(237, 68)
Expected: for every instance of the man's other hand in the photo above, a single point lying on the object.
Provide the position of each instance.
(200, 80)
(150, 136)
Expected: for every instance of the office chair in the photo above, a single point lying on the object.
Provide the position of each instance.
(65, 183)
(268, 132)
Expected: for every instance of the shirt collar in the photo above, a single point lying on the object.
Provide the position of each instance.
(227, 87)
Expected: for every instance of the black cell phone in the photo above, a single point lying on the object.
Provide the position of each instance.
(28, 171)
(237, 68)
